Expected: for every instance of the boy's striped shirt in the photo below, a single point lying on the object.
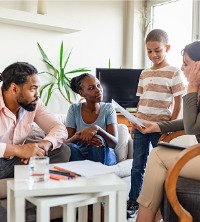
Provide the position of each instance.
(156, 89)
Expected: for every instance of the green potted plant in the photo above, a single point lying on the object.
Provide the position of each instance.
(61, 76)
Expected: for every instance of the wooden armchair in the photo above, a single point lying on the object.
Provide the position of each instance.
(181, 193)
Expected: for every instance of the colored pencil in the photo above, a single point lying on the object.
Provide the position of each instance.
(65, 170)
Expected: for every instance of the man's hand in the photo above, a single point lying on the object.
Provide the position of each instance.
(25, 151)
(45, 145)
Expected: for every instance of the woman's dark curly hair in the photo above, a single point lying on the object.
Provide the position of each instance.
(193, 50)
(16, 73)
(75, 83)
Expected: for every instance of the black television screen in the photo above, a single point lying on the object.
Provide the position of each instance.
(120, 85)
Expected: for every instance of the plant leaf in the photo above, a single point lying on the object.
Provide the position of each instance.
(50, 90)
(43, 88)
(66, 87)
(46, 59)
(78, 70)
(62, 82)
(49, 74)
(62, 76)
(61, 54)
(67, 80)
(65, 63)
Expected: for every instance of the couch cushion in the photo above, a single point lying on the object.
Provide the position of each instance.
(38, 134)
(61, 117)
(122, 169)
(35, 135)
(121, 149)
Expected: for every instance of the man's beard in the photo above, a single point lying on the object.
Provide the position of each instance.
(29, 107)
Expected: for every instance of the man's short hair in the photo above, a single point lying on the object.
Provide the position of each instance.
(157, 35)
(17, 73)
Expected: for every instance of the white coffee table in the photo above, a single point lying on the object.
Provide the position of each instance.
(20, 188)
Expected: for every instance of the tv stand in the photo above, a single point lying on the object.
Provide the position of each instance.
(122, 119)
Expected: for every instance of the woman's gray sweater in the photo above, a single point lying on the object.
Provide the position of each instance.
(191, 118)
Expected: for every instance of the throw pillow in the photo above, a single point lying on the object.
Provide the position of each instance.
(121, 149)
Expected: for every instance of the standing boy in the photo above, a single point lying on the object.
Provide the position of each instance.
(160, 89)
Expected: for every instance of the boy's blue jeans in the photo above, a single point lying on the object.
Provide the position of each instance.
(141, 145)
(104, 154)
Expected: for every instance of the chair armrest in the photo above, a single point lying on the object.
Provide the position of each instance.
(172, 177)
(167, 137)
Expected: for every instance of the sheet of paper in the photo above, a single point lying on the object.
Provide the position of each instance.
(87, 168)
(128, 115)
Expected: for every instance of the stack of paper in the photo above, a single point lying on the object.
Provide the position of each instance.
(86, 168)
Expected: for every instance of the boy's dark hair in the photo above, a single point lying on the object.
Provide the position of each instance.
(157, 35)
(75, 83)
(193, 50)
(16, 73)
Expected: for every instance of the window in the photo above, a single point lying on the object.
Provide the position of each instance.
(176, 19)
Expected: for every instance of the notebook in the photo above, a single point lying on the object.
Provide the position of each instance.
(171, 145)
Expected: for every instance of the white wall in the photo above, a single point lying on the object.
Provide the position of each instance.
(102, 36)
(134, 44)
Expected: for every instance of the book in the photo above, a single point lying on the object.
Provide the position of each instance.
(171, 145)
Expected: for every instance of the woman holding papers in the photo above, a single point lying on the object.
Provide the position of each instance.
(162, 158)
(91, 125)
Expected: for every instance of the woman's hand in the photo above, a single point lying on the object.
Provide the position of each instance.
(97, 141)
(194, 77)
(73, 139)
(149, 127)
(87, 134)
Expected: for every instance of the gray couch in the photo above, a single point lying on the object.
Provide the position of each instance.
(124, 151)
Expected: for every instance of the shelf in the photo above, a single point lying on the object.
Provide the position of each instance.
(31, 20)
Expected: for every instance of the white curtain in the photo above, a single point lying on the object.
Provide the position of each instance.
(196, 20)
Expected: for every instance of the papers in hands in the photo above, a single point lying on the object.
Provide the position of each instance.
(130, 117)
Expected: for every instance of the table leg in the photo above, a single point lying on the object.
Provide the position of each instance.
(110, 210)
(69, 213)
(19, 209)
(10, 205)
(97, 212)
(43, 214)
(121, 206)
(83, 214)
